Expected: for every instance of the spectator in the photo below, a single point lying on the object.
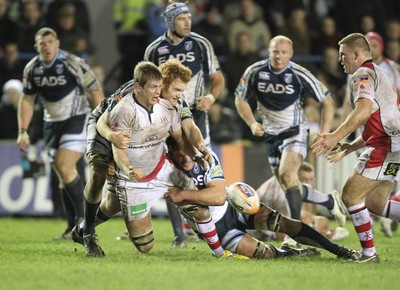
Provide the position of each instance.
(392, 29)
(393, 50)
(367, 24)
(11, 66)
(154, 21)
(82, 17)
(71, 37)
(326, 36)
(212, 27)
(8, 28)
(30, 21)
(130, 23)
(250, 21)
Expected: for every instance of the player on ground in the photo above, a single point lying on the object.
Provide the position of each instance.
(231, 225)
(376, 109)
(63, 81)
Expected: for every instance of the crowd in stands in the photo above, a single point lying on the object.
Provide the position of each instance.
(239, 31)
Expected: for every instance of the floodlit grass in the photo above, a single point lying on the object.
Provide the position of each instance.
(29, 259)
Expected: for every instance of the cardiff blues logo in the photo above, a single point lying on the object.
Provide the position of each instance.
(196, 168)
(264, 75)
(59, 68)
(288, 78)
(188, 45)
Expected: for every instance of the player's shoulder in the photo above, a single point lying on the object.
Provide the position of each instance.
(261, 65)
(31, 64)
(296, 68)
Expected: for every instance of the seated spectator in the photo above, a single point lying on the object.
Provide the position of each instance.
(212, 27)
(326, 36)
(392, 29)
(250, 21)
(154, 21)
(71, 37)
(30, 22)
(11, 66)
(8, 28)
(393, 50)
(367, 24)
(82, 17)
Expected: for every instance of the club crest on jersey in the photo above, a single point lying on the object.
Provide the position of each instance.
(164, 120)
(288, 78)
(196, 168)
(392, 169)
(163, 50)
(188, 45)
(264, 75)
(59, 68)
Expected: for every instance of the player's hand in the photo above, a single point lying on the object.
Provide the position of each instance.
(257, 129)
(200, 160)
(324, 143)
(204, 102)
(23, 141)
(135, 174)
(174, 195)
(120, 139)
(111, 169)
(206, 153)
(338, 152)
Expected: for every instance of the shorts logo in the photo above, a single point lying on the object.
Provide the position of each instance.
(138, 209)
(392, 169)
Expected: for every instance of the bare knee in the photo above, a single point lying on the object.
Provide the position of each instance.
(144, 243)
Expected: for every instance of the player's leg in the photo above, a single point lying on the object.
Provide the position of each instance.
(176, 221)
(288, 176)
(206, 227)
(268, 219)
(141, 233)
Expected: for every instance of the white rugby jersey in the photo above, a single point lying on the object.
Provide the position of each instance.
(280, 94)
(392, 69)
(382, 129)
(149, 130)
(61, 85)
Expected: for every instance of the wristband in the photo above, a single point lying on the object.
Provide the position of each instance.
(22, 131)
(210, 97)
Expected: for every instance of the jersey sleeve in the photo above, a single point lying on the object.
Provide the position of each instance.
(176, 121)
(214, 173)
(27, 79)
(185, 112)
(362, 84)
(243, 90)
(210, 60)
(82, 71)
(311, 85)
(122, 117)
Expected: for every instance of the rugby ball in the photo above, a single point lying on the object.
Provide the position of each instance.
(243, 198)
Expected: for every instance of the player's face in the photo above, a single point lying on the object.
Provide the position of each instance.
(347, 59)
(150, 92)
(183, 24)
(280, 53)
(376, 52)
(307, 177)
(174, 92)
(47, 46)
(182, 159)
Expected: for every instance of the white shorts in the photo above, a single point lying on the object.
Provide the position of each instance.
(378, 164)
(137, 198)
(297, 143)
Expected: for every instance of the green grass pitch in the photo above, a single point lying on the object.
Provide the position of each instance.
(29, 259)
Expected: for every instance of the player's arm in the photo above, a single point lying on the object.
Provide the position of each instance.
(217, 85)
(214, 194)
(118, 138)
(244, 110)
(96, 95)
(193, 134)
(359, 116)
(25, 113)
(327, 115)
